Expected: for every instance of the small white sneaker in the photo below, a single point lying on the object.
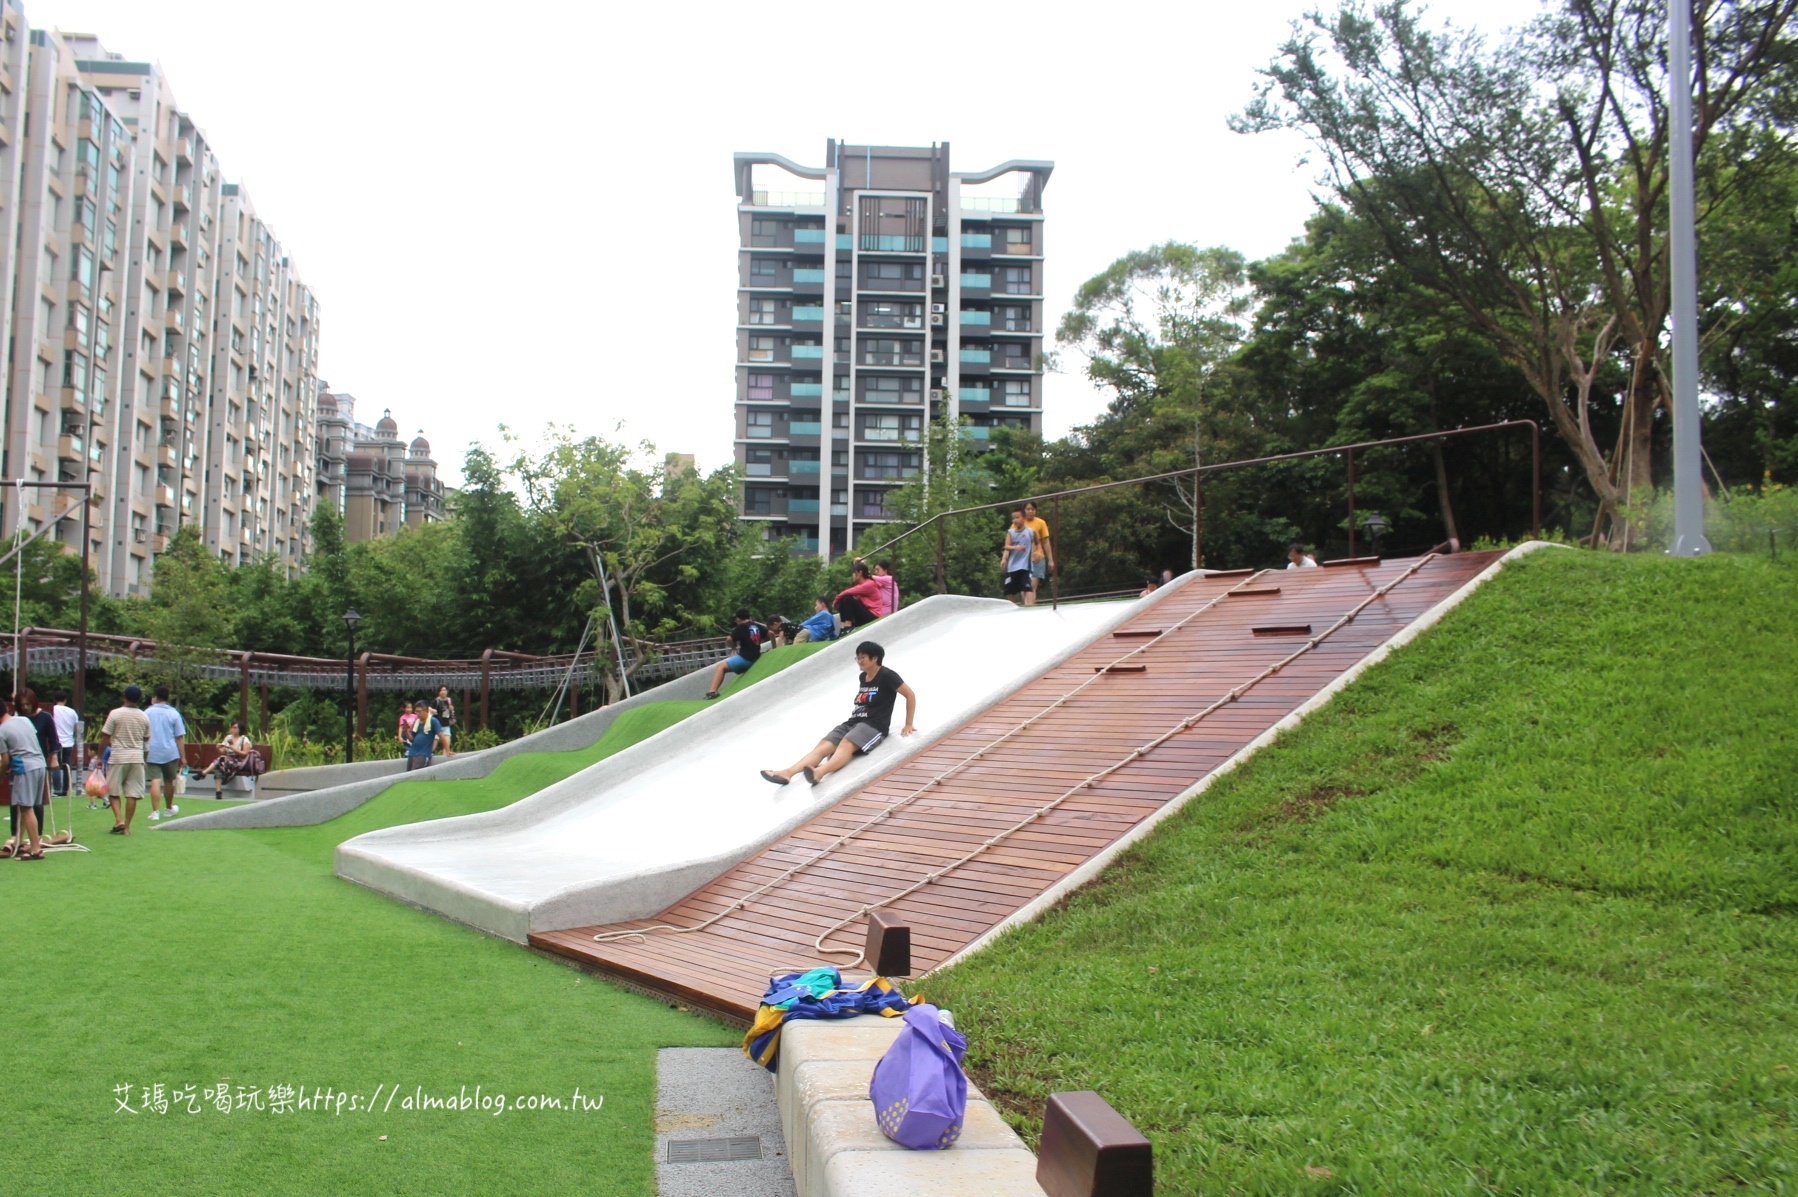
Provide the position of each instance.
(155, 815)
(173, 811)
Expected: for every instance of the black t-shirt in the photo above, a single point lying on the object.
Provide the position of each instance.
(45, 723)
(874, 699)
(749, 639)
(446, 711)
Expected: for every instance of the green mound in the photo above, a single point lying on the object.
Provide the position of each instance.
(1514, 914)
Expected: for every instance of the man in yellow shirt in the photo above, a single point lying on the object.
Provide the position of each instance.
(1042, 553)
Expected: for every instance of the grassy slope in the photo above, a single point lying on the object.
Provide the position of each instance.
(1515, 914)
(194, 958)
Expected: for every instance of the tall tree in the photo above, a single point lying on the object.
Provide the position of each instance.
(1525, 180)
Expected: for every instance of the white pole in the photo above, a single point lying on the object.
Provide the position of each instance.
(1688, 477)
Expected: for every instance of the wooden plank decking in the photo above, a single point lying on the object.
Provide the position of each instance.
(725, 966)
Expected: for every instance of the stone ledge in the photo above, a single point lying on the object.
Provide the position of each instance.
(835, 1146)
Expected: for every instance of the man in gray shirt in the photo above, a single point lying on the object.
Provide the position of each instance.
(26, 769)
(127, 733)
(1014, 559)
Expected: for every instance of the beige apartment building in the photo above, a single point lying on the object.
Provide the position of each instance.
(162, 346)
(379, 482)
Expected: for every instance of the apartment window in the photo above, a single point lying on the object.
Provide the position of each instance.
(760, 424)
(764, 267)
(1013, 355)
(759, 463)
(761, 386)
(871, 504)
(1015, 280)
(1010, 421)
(839, 419)
(82, 268)
(1017, 240)
(1012, 318)
(845, 269)
(760, 500)
(889, 465)
(74, 372)
(891, 426)
(880, 389)
(764, 232)
(892, 314)
(761, 349)
(839, 459)
(77, 321)
(84, 213)
(763, 311)
(801, 454)
(893, 272)
(842, 349)
(879, 351)
(1015, 393)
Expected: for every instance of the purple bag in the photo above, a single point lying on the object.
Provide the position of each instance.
(919, 1091)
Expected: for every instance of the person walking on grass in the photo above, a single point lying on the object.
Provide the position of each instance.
(425, 735)
(746, 642)
(446, 719)
(25, 768)
(868, 723)
(165, 754)
(1042, 553)
(66, 718)
(127, 733)
(1014, 559)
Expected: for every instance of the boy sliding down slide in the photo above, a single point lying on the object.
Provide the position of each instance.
(866, 726)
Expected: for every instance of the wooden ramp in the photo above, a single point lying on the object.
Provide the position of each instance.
(994, 815)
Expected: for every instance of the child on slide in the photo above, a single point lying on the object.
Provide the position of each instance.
(867, 725)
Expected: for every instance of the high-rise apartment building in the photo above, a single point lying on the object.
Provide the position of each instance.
(159, 343)
(876, 293)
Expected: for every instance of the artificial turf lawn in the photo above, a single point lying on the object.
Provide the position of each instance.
(237, 957)
(1514, 914)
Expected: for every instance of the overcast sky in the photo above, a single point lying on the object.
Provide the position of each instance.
(522, 214)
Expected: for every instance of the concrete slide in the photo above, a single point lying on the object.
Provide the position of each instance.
(630, 835)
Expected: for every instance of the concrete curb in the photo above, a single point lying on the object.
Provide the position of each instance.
(642, 894)
(836, 1147)
(1098, 864)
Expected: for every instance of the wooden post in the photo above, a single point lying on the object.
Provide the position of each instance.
(243, 691)
(1351, 482)
(574, 698)
(1088, 1150)
(486, 684)
(462, 711)
(362, 696)
(264, 728)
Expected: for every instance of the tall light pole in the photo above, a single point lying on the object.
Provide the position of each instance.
(1688, 462)
(350, 620)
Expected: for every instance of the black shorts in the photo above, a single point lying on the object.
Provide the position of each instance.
(863, 735)
(1017, 582)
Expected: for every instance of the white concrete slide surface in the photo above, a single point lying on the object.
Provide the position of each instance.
(634, 833)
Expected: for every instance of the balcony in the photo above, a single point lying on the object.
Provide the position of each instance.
(892, 243)
(809, 276)
(976, 394)
(808, 314)
(787, 199)
(978, 357)
(970, 317)
(70, 447)
(975, 432)
(990, 203)
(802, 467)
(845, 241)
(976, 282)
(976, 240)
(808, 236)
(177, 281)
(806, 390)
(806, 428)
(802, 506)
(808, 351)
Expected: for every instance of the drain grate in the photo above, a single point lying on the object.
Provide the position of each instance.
(714, 1151)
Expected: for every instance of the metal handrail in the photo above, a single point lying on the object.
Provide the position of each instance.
(940, 518)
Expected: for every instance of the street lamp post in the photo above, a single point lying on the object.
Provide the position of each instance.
(350, 620)
(1688, 477)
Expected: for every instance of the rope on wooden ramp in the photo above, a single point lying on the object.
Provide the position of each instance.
(1086, 783)
(940, 778)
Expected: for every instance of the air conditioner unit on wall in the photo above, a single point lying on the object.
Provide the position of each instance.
(937, 395)
(936, 355)
(936, 280)
(937, 319)
(939, 307)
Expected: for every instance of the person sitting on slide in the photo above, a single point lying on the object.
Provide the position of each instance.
(867, 725)
(864, 602)
(746, 641)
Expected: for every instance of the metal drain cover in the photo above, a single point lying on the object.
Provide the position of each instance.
(714, 1151)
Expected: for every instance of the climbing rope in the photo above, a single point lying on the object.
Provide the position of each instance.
(940, 778)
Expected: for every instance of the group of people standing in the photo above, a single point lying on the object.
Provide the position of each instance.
(34, 745)
(425, 727)
(1028, 555)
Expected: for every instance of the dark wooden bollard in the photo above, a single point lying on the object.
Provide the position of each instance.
(1088, 1150)
(889, 946)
